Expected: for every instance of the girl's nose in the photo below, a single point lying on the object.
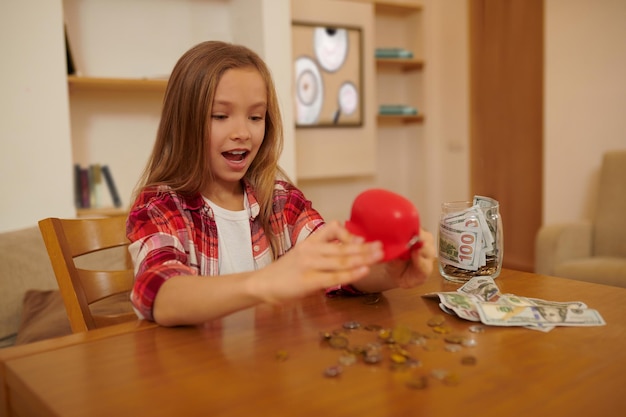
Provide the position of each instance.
(240, 129)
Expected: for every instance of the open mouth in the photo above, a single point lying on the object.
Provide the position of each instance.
(235, 156)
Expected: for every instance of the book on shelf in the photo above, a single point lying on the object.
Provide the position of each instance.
(108, 177)
(397, 110)
(94, 187)
(393, 53)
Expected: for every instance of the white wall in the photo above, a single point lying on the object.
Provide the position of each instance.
(271, 38)
(585, 100)
(35, 159)
(447, 98)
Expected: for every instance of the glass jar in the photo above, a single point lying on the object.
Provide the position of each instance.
(470, 239)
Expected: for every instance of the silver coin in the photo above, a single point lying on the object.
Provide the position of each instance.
(333, 371)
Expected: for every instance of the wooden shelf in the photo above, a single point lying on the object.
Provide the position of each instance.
(393, 6)
(396, 6)
(116, 84)
(392, 119)
(403, 64)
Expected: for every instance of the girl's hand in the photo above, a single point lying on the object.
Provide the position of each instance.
(408, 274)
(328, 257)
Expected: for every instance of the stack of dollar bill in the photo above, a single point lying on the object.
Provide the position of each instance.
(480, 300)
(467, 239)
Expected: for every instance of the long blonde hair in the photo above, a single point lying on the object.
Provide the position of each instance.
(179, 157)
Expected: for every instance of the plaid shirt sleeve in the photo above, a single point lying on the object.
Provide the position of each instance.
(159, 233)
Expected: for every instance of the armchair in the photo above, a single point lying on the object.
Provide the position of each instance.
(592, 250)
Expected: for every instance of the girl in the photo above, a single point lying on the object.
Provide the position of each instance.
(212, 201)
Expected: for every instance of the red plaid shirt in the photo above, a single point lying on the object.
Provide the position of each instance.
(174, 235)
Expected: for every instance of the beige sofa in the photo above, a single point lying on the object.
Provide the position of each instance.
(31, 308)
(591, 250)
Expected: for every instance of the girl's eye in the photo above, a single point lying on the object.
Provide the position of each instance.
(218, 116)
(256, 118)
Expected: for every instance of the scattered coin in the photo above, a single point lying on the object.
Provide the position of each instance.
(338, 342)
(451, 379)
(436, 320)
(439, 373)
(373, 356)
(402, 335)
(348, 359)
(351, 325)
(325, 335)
(441, 329)
(469, 342)
(396, 346)
(373, 327)
(384, 334)
(468, 360)
(282, 355)
(454, 338)
(371, 299)
(452, 347)
(398, 358)
(333, 371)
(477, 328)
(417, 382)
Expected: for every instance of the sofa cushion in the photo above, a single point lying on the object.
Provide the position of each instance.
(43, 317)
(601, 270)
(24, 265)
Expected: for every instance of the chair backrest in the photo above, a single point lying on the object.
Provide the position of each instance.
(609, 237)
(93, 269)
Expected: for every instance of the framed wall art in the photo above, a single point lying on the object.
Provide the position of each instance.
(328, 75)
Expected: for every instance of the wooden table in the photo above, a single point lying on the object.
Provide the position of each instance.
(270, 361)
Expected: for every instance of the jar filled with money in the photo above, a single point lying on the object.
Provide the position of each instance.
(470, 239)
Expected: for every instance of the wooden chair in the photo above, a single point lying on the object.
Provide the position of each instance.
(92, 266)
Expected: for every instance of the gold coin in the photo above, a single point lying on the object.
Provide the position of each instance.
(384, 334)
(398, 358)
(468, 360)
(454, 338)
(441, 329)
(436, 320)
(417, 382)
(402, 335)
(451, 379)
(282, 355)
(325, 335)
(338, 342)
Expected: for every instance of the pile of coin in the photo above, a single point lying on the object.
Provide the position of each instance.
(395, 346)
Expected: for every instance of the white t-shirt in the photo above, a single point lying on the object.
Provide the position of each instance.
(234, 241)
